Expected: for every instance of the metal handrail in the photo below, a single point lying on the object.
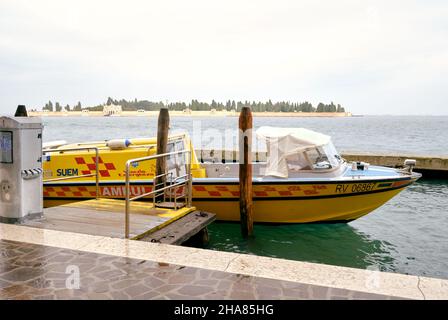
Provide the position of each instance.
(96, 174)
(154, 191)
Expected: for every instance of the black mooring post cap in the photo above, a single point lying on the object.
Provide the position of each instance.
(21, 111)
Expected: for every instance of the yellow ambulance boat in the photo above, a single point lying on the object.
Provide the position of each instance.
(303, 178)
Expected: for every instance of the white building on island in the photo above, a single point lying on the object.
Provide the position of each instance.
(112, 110)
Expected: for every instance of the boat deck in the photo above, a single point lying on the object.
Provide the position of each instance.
(106, 217)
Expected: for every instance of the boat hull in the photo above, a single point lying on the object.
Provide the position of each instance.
(273, 202)
(338, 209)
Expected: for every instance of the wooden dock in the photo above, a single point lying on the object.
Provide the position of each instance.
(181, 230)
(105, 217)
(429, 166)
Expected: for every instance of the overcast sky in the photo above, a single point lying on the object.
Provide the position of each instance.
(373, 57)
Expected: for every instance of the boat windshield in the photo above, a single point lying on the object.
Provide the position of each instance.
(324, 157)
(297, 149)
(176, 163)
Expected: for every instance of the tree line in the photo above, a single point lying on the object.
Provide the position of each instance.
(58, 107)
(195, 105)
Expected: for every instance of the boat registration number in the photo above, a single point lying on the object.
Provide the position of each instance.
(356, 187)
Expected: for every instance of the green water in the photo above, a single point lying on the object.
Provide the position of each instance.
(409, 235)
(337, 244)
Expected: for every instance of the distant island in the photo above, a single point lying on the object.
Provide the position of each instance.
(113, 107)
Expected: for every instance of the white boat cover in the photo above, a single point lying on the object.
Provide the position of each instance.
(288, 143)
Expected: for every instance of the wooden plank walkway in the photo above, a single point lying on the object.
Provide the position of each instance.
(182, 229)
(105, 217)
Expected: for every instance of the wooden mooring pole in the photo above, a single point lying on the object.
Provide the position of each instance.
(163, 125)
(245, 172)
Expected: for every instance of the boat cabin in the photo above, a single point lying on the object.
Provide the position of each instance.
(290, 152)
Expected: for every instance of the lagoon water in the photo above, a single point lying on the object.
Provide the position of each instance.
(409, 234)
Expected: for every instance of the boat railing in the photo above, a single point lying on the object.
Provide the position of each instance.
(161, 184)
(96, 174)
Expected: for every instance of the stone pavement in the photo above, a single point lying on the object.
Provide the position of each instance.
(30, 271)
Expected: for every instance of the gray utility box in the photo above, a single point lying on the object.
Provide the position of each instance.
(20, 168)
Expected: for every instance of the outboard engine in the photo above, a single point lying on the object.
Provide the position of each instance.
(409, 164)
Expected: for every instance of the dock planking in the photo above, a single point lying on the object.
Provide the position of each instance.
(105, 217)
(182, 229)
